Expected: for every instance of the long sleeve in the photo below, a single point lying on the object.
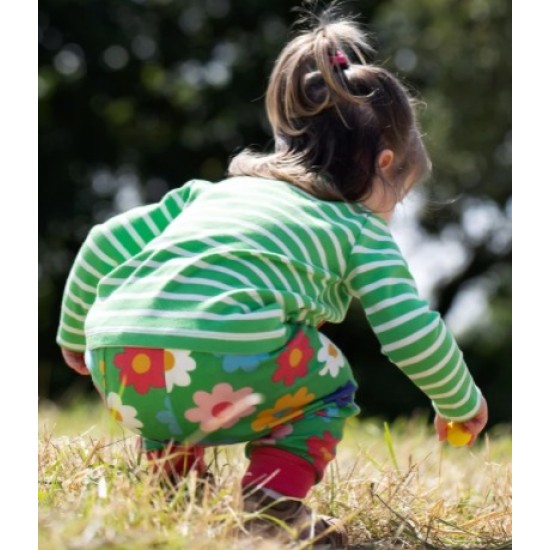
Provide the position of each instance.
(106, 247)
(411, 335)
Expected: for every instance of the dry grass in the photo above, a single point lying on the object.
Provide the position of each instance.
(397, 489)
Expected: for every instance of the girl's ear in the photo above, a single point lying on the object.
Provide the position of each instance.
(385, 159)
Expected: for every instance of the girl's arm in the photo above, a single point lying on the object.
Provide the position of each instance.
(412, 336)
(106, 247)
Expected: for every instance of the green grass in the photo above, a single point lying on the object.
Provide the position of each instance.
(395, 486)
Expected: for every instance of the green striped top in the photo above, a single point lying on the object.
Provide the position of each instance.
(234, 266)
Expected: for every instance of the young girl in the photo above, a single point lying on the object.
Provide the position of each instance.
(199, 315)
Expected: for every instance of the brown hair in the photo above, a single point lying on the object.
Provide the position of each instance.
(331, 120)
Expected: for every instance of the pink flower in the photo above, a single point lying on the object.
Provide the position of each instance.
(222, 408)
(274, 435)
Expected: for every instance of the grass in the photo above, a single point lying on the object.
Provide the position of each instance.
(395, 486)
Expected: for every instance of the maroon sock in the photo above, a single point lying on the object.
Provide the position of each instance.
(281, 471)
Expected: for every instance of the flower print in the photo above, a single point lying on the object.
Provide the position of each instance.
(142, 368)
(177, 364)
(322, 449)
(167, 416)
(326, 414)
(331, 356)
(233, 362)
(343, 395)
(293, 362)
(286, 408)
(223, 407)
(279, 432)
(124, 414)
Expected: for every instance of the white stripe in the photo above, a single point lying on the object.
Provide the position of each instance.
(77, 300)
(269, 284)
(466, 416)
(250, 225)
(118, 281)
(91, 270)
(67, 328)
(289, 256)
(205, 334)
(286, 229)
(388, 281)
(453, 391)
(380, 224)
(151, 225)
(209, 266)
(388, 302)
(182, 253)
(347, 219)
(349, 234)
(404, 342)
(383, 327)
(375, 236)
(178, 200)
(427, 353)
(132, 232)
(71, 345)
(166, 212)
(198, 315)
(260, 255)
(318, 210)
(65, 309)
(462, 401)
(370, 266)
(311, 234)
(101, 255)
(443, 381)
(359, 249)
(79, 283)
(180, 297)
(114, 241)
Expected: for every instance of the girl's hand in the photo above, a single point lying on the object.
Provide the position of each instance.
(75, 360)
(474, 426)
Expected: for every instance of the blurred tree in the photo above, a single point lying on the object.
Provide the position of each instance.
(137, 97)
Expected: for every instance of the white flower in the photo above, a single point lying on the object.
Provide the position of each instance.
(332, 357)
(124, 414)
(177, 364)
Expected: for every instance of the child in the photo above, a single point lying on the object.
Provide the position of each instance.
(198, 315)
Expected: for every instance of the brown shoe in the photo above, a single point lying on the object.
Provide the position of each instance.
(271, 516)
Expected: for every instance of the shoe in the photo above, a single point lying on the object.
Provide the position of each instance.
(302, 524)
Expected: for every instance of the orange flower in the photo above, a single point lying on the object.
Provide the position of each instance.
(287, 408)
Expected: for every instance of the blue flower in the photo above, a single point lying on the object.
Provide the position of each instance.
(327, 414)
(233, 362)
(343, 395)
(169, 418)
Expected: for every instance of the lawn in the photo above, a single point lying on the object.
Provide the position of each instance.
(395, 486)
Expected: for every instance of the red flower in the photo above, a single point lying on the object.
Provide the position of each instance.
(142, 368)
(293, 362)
(322, 449)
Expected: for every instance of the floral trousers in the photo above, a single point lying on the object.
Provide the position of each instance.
(295, 399)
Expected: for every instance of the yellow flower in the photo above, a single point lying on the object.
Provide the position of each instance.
(286, 408)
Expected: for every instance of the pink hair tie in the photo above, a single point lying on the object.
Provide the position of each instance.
(339, 59)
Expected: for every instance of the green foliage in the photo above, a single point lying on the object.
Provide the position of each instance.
(137, 97)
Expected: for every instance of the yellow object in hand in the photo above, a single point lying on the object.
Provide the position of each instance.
(457, 435)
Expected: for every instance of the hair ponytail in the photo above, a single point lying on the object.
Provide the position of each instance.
(331, 113)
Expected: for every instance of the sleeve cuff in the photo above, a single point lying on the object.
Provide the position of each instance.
(465, 416)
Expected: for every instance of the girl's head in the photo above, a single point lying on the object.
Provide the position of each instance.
(344, 129)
